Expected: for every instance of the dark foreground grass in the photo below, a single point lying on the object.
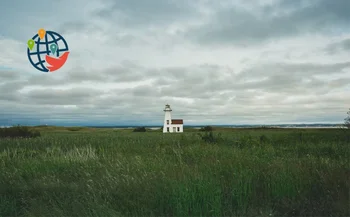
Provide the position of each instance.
(112, 173)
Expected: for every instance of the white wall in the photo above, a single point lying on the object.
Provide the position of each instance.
(167, 117)
(171, 128)
(178, 125)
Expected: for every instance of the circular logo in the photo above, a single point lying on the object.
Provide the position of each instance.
(47, 51)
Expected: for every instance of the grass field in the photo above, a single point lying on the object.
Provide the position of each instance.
(97, 172)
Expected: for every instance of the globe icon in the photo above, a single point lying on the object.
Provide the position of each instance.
(41, 51)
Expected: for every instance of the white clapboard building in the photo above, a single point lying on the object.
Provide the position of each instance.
(171, 125)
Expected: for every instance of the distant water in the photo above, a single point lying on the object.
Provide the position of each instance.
(155, 128)
(300, 126)
(238, 126)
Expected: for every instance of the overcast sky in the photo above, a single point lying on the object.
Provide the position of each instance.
(214, 62)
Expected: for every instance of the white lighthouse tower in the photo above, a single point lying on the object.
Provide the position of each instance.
(171, 125)
(167, 119)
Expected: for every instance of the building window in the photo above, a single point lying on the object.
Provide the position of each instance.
(178, 129)
(167, 121)
(167, 129)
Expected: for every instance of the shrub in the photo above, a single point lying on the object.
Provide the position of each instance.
(18, 132)
(74, 128)
(206, 129)
(347, 120)
(210, 137)
(140, 129)
(263, 139)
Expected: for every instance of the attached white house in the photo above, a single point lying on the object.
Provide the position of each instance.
(171, 125)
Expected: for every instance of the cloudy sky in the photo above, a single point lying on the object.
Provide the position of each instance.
(214, 62)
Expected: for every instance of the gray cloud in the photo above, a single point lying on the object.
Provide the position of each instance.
(9, 90)
(130, 58)
(294, 69)
(201, 81)
(242, 27)
(78, 26)
(231, 95)
(135, 13)
(335, 47)
(8, 75)
(62, 97)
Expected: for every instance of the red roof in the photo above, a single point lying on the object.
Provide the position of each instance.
(177, 121)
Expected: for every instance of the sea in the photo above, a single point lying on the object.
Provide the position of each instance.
(156, 127)
(237, 126)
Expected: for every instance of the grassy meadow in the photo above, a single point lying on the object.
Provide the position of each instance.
(234, 172)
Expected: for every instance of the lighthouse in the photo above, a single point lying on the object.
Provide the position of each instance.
(171, 125)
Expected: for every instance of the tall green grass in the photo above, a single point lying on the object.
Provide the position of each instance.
(244, 173)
